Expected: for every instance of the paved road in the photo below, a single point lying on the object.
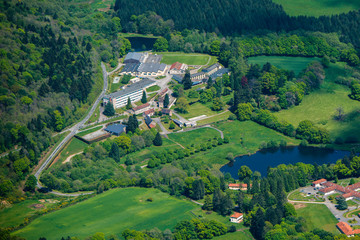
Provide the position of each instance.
(73, 130)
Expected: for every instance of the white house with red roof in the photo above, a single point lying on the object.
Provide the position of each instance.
(318, 183)
(236, 217)
(348, 192)
(178, 68)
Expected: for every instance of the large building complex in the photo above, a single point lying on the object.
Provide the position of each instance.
(133, 91)
(143, 64)
(327, 188)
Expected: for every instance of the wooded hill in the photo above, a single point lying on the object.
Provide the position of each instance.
(239, 17)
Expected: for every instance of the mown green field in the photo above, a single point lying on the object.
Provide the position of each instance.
(320, 107)
(197, 136)
(216, 118)
(318, 7)
(296, 64)
(111, 213)
(245, 138)
(243, 235)
(188, 58)
(198, 109)
(318, 216)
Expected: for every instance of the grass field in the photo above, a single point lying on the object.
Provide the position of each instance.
(219, 117)
(111, 213)
(153, 88)
(83, 133)
(297, 64)
(243, 235)
(198, 109)
(318, 216)
(320, 107)
(252, 134)
(188, 58)
(299, 196)
(197, 136)
(318, 7)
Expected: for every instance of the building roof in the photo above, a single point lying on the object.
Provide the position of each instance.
(151, 67)
(115, 128)
(131, 88)
(166, 110)
(133, 56)
(197, 74)
(219, 73)
(212, 67)
(130, 67)
(234, 185)
(148, 120)
(346, 229)
(322, 180)
(153, 58)
(178, 122)
(178, 78)
(236, 215)
(151, 110)
(163, 91)
(145, 105)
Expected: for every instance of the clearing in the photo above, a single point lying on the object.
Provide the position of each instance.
(318, 216)
(296, 64)
(320, 107)
(111, 213)
(188, 58)
(319, 7)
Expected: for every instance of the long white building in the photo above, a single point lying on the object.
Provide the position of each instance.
(134, 91)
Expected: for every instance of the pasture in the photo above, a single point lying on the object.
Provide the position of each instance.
(320, 107)
(197, 136)
(317, 216)
(111, 213)
(318, 8)
(296, 64)
(188, 58)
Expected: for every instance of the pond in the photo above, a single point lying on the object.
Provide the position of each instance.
(261, 160)
(141, 43)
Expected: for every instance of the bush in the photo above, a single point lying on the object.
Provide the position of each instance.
(232, 228)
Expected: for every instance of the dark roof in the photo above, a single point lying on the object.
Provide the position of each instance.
(148, 120)
(178, 122)
(153, 58)
(219, 73)
(197, 74)
(151, 67)
(166, 110)
(115, 128)
(130, 67)
(133, 56)
(212, 67)
(132, 88)
(178, 78)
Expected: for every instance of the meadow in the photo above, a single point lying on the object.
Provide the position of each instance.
(187, 58)
(320, 107)
(319, 7)
(197, 136)
(91, 130)
(317, 216)
(111, 213)
(296, 64)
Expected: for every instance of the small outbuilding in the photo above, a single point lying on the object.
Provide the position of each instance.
(236, 217)
(116, 129)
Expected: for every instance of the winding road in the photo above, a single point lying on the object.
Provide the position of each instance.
(73, 130)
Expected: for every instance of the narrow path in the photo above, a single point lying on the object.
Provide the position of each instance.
(117, 68)
(198, 203)
(69, 157)
(177, 143)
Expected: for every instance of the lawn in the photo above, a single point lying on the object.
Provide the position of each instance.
(319, 7)
(197, 136)
(111, 213)
(243, 235)
(198, 109)
(245, 138)
(297, 64)
(188, 58)
(219, 117)
(320, 107)
(317, 216)
(153, 88)
(83, 133)
(299, 196)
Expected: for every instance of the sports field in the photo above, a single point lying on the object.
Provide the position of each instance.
(320, 107)
(318, 7)
(188, 58)
(297, 64)
(317, 216)
(111, 213)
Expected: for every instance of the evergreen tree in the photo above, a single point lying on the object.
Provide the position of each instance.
(208, 205)
(186, 80)
(166, 101)
(109, 109)
(144, 99)
(210, 83)
(128, 105)
(158, 140)
(114, 152)
(198, 189)
(341, 203)
(258, 224)
(136, 122)
(30, 183)
(132, 124)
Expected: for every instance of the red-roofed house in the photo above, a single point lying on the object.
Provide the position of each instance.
(348, 192)
(236, 217)
(149, 112)
(238, 186)
(141, 108)
(319, 182)
(346, 229)
(178, 68)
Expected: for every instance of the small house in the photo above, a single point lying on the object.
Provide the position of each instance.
(149, 122)
(141, 108)
(166, 111)
(178, 122)
(236, 217)
(149, 112)
(319, 182)
(115, 129)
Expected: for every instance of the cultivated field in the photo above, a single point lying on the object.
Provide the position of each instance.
(317, 216)
(111, 213)
(188, 58)
(320, 107)
(318, 7)
(297, 64)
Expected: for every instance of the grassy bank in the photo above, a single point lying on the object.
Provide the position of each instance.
(111, 213)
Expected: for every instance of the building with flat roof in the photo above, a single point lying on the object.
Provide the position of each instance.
(213, 68)
(151, 69)
(219, 73)
(135, 57)
(133, 91)
(142, 108)
(115, 129)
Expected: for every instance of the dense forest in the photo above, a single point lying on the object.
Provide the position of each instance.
(240, 17)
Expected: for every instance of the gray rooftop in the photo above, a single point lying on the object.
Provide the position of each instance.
(197, 74)
(130, 67)
(133, 56)
(211, 67)
(132, 88)
(153, 58)
(151, 67)
(219, 73)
